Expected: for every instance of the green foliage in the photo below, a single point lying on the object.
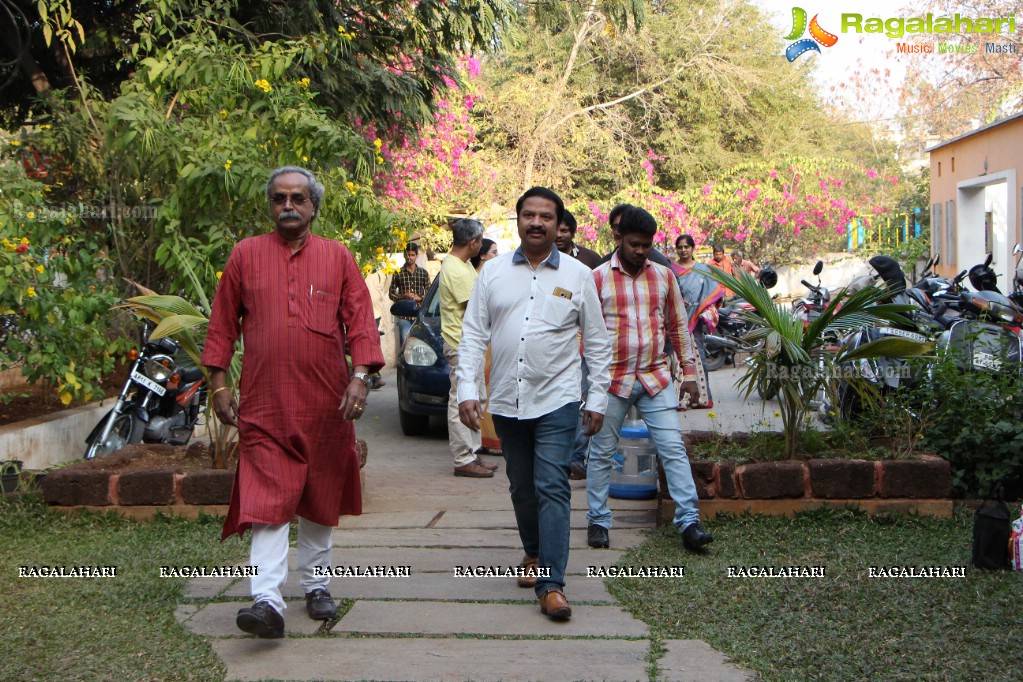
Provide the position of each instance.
(55, 292)
(697, 85)
(972, 419)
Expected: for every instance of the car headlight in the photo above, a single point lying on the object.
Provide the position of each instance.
(418, 353)
(159, 368)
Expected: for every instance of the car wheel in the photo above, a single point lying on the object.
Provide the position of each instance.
(413, 424)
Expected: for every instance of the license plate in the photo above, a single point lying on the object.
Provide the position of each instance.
(892, 331)
(142, 379)
(986, 361)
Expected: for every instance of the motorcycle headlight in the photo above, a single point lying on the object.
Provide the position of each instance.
(418, 353)
(159, 368)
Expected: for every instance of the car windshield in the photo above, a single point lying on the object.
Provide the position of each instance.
(431, 306)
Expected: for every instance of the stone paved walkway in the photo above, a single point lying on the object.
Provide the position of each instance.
(433, 625)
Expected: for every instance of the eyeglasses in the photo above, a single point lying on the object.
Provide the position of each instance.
(296, 199)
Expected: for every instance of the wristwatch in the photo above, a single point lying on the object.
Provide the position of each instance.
(362, 376)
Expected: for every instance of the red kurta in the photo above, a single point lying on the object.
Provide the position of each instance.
(297, 454)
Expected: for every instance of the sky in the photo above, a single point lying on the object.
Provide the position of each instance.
(852, 51)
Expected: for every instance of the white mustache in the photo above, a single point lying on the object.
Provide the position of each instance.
(284, 215)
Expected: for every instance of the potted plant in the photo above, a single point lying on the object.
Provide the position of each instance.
(798, 362)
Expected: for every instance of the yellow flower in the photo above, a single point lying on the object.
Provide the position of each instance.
(263, 85)
(304, 158)
(45, 126)
(220, 274)
(9, 246)
(712, 415)
(24, 240)
(40, 269)
(380, 160)
(223, 114)
(351, 187)
(777, 414)
(304, 83)
(31, 215)
(227, 165)
(366, 268)
(15, 143)
(31, 291)
(65, 397)
(378, 143)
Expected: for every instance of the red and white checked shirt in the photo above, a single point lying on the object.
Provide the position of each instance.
(640, 312)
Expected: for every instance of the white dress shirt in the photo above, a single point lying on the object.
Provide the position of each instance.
(532, 319)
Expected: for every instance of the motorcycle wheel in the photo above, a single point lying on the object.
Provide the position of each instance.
(713, 358)
(127, 429)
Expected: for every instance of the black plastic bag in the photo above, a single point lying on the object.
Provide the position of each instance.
(991, 529)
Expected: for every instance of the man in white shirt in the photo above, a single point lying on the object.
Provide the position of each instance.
(530, 306)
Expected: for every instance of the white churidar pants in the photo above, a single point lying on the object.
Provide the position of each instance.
(269, 554)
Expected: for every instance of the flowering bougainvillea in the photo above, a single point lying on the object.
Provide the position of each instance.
(435, 174)
(773, 211)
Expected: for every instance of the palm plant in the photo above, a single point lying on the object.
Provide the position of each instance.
(799, 362)
(178, 319)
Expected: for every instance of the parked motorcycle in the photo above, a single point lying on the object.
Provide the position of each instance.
(884, 375)
(730, 336)
(161, 401)
(986, 334)
(1017, 281)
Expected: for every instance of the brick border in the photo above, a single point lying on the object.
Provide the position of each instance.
(91, 487)
(921, 485)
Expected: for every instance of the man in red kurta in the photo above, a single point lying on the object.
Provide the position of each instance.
(298, 299)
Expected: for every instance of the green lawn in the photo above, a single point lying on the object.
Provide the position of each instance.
(846, 626)
(114, 629)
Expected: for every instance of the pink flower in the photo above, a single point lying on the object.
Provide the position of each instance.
(707, 189)
(871, 173)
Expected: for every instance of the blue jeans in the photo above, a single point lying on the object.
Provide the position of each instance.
(537, 454)
(404, 326)
(582, 441)
(661, 418)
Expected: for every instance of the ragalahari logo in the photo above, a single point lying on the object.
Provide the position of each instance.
(818, 35)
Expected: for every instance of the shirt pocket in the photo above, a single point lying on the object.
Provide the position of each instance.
(323, 317)
(558, 312)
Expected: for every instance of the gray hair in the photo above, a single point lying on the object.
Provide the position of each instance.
(465, 230)
(315, 188)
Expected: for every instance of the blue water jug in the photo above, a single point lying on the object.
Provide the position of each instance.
(634, 469)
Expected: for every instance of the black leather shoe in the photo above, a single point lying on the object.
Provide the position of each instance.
(598, 537)
(262, 620)
(319, 604)
(578, 472)
(694, 537)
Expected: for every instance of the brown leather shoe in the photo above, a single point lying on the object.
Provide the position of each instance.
(474, 470)
(486, 465)
(530, 564)
(554, 605)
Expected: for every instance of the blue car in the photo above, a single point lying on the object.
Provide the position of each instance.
(423, 380)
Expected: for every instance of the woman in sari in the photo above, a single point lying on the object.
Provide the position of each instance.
(702, 296)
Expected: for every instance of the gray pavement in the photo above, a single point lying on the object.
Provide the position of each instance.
(437, 625)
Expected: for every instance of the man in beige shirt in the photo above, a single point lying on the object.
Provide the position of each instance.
(457, 278)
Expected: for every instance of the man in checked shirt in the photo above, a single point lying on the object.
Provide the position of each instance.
(642, 305)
